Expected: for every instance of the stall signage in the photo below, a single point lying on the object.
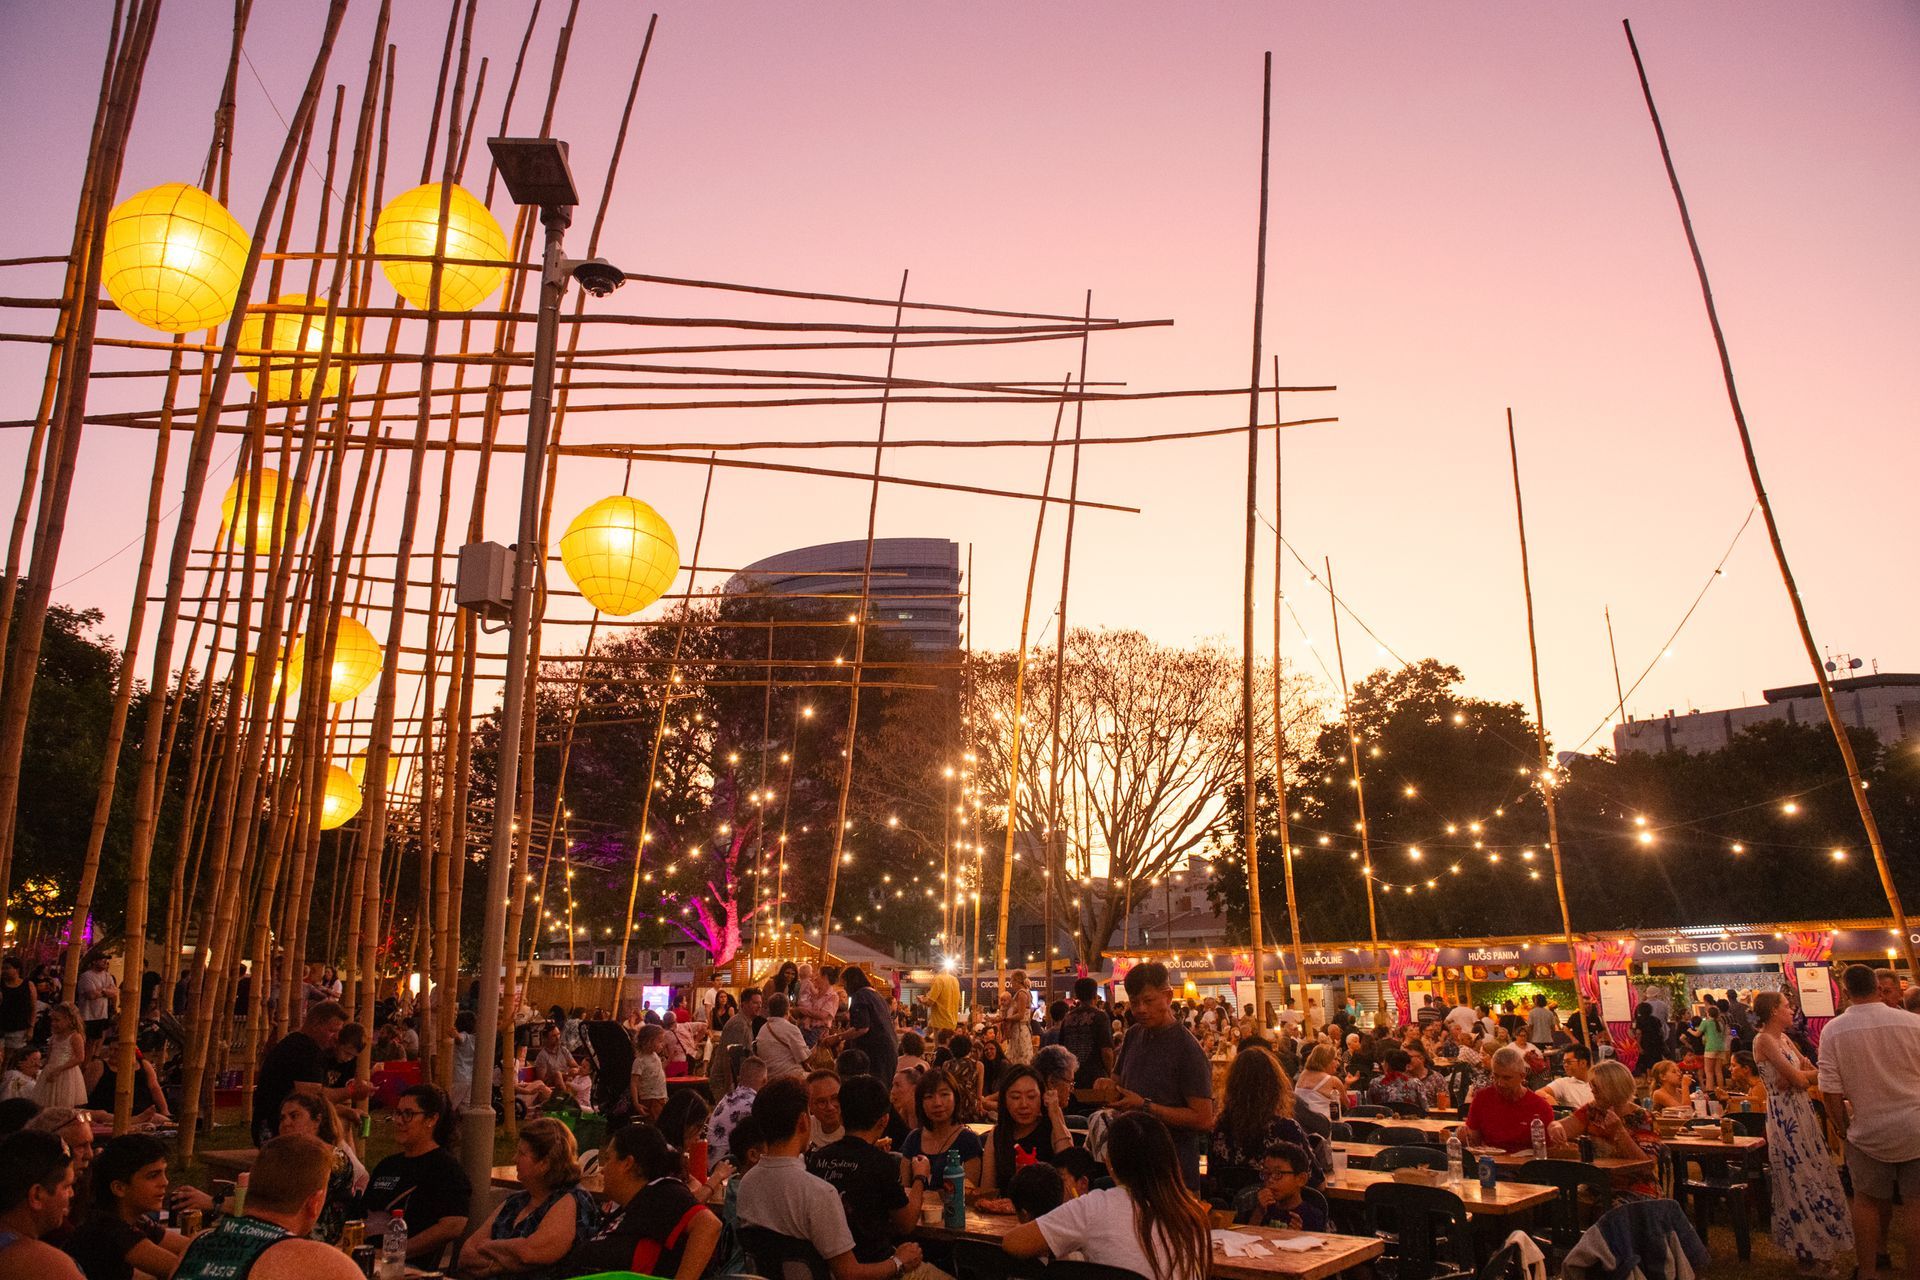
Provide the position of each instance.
(1493, 955)
(1652, 950)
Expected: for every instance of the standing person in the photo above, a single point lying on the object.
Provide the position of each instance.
(649, 1081)
(16, 1005)
(62, 1082)
(1870, 1082)
(1161, 1069)
(421, 1182)
(1149, 1223)
(301, 1059)
(1809, 1205)
(780, 1044)
(1651, 1030)
(36, 1190)
(871, 1023)
(779, 1194)
(943, 1002)
(735, 1033)
(1016, 1018)
(97, 994)
(1087, 1033)
(120, 1235)
(1713, 1046)
(816, 1005)
(285, 1194)
(1542, 1022)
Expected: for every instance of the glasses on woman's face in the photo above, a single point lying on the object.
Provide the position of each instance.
(400, 1115)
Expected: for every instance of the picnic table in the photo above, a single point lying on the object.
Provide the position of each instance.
(230, 1163)
(1332, 1254)
(1436, 1130)
(1622, 1169)
(1686, 1144)
(696, 1084)
(1504, 1197)
(506, 1177)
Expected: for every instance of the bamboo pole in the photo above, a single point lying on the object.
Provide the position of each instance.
(1547, 775)
(1855, 783)
(1017, 724)
(1280, 747)
(1359, 793)
(1249, 812)
(859, 654)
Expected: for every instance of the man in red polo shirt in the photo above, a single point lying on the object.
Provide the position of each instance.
(1503, 1115)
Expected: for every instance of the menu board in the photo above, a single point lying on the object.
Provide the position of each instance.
(1816, 990)
(1616, 998)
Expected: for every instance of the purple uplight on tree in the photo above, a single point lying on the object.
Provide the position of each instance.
(717, 910)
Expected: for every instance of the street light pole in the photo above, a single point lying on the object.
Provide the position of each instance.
(478, 1122)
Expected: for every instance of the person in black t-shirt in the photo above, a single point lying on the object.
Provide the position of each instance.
(881, 1194)
(119, 1235)
(300, 1059)
(1087, 1033)
(657, 1228)
(423, 1183)
(16, 1005)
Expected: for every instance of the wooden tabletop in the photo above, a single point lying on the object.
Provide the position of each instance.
(980, 1127)
(507, 1178)
(1335, 1254)
(234, 1161)
(1621, 1169)
(1687, 1145)
(1429, 1126)
(1505, 1197)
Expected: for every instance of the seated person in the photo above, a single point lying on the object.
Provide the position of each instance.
(1148, 1223)
(120, 1235)
(1616, 1124)
(553, 1066)
(880, 1192)
(655, 1226)
(1571, 1089)
(538, 1225)
(1503, 1115)
(421, 1182)
(1744, 1088)
(285, 1193)
(1671, 1086)
(940, 1131)
(779, 1195)
(1278, 1200)
(1037, 1190)
(1031, 1128)
(36, 1190)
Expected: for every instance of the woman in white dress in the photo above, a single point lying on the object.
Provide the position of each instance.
(61, 1082)
(1810, 1216)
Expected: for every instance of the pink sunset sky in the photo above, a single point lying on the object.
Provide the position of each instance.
(1469, 213)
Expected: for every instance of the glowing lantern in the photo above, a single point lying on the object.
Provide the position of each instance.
(294, 336)
(172, 258)
(410, 224)
(341, 799)
(357, 769)
(270, 521)
(621, 554)
(356, 661)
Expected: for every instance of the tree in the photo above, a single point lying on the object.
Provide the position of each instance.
(1150, 746)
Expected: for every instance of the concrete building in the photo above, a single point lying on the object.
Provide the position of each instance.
(915, 587)
(1888, 704)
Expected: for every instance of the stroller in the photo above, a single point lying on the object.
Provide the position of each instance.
(610, 1053)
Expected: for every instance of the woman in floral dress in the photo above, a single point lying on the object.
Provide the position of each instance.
(1809, 1206)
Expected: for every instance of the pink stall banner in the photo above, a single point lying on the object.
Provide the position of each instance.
(1408, 963)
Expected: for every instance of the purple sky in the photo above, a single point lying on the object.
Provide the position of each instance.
(1469, 213)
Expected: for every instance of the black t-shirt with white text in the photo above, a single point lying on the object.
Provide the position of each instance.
(868, 1180)
(648, 1234)
(422, 1189)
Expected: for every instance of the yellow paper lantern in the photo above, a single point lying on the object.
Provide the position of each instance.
(356, 661)
(410, 224)
(621, 554)
(270, 521)
(301, 336)
(357, 770)
(172, 258)
(341, 799)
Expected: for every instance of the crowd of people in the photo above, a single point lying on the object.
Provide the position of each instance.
(832, 1119)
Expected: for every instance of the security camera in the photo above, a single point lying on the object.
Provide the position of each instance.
(598, 276)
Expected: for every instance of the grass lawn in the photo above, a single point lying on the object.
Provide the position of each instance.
(230, 1131)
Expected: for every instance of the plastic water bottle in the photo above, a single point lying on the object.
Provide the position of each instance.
(240, 1194)
(1538, 1132)
(1456, 1160)
(393, 1250)
(1699, 1104)
(955, 1175)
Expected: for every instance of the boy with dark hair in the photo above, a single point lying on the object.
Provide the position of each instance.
(1280, 1200)
(778, 1193)
(880, 1192)
(1035, 1190)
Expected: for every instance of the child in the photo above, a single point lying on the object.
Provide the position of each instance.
(1078, 1169)
(23, 1065)
(1036, 1189)
(1278, 1201)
